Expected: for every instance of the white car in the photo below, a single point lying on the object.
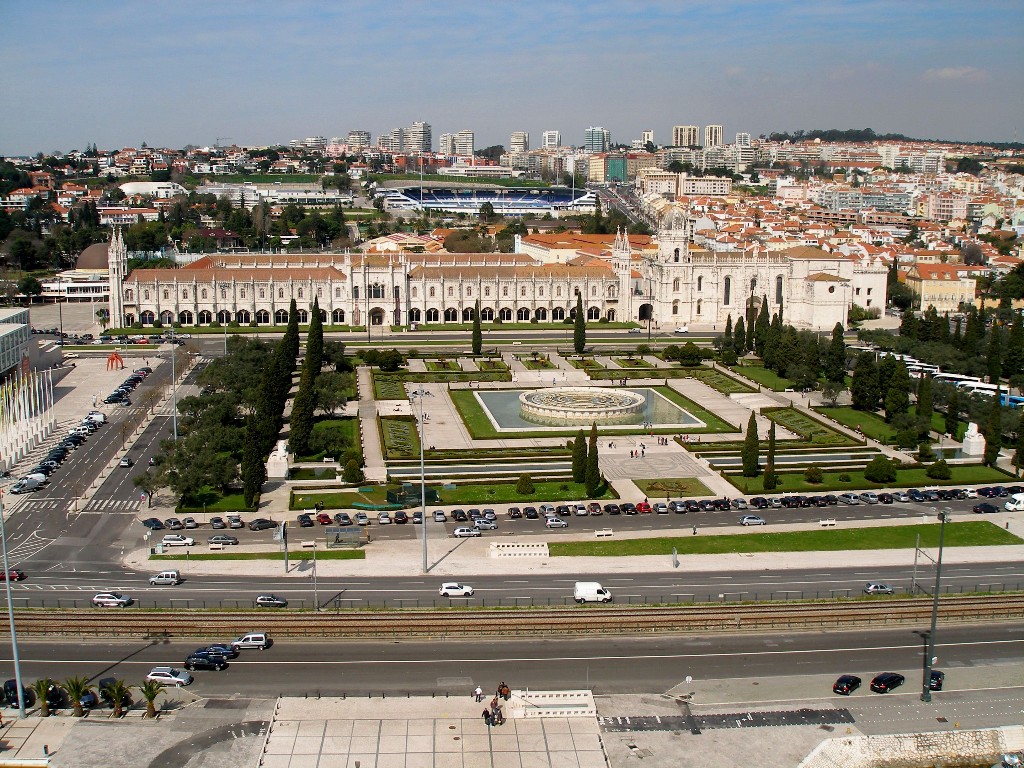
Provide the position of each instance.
(875, 588)
(555, 522)
(177, 540)
(383, 519)
(971, 493)
(452, 589)
(681, 330)
(547, 509)
(466, 533)
(111, 600)
(169, 676)
(70, 355)
(486, 525)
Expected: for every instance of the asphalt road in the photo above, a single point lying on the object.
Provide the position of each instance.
(299, 667)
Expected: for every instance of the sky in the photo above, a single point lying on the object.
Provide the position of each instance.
(256, 72)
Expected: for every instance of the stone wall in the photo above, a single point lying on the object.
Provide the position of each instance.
(915, 749)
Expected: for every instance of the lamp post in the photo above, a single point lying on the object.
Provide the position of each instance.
(926, 690)
(60, 309)
(10, 612)
(420, 394)
(316, 594)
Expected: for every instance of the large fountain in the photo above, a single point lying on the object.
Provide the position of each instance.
(581, 405)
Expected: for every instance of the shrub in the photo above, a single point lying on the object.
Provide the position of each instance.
(814, 474)
(525, 485)
(880, 470)
(603, 320)
(844, 478)
(176, 324)
(233, 324)
(534, 321)
(925, 452)
(353, 473)
(136, 325)
(214, 324)
(157, 324)
(939, 470)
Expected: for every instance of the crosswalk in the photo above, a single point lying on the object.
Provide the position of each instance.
(31, 545)
(95, 506)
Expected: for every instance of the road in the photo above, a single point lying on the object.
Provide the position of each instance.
(295, 667)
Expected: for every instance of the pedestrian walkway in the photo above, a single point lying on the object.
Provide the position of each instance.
(374, 468)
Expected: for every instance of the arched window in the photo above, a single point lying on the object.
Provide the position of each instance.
(206, 317)
(223, 317)
(167, 294)
(727, 293)
(613, 291)
(522, 314)
(320, 292)
(487, 315)
(541, 314)
(558, 291)
(467, 315)
(504, 290)
(396, 292)
(593, 290)
(610, 314)
(487, 292)
(540, 291)
(280, 293)
(281, 317)
(414, 315)
(186, 318)
(167, 317)
(593, 313)
(241, 293)
(414, 292)
(675, 255)
(145, 295)
(300, 293)
(700, 283)
(184, 294)
(558, 313)
(355, 294)
(469, 292)
(522, 291)
(432, 293)
(337, 293)
(778, 289)
(263, 295)
(451, 291)
(753, 284)
(129, 295)
(675, 307)
(376, 291)
(505, 314)
(204, 293)
(432, 316)
(699, 303)
(243, 317)
(338, 316)
(675, 284)
(223, 293)
(147, 317)
(451, 315)
(263, 317)
(303, 316)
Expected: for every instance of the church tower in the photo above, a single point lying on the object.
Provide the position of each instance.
(622, 256)
(117, 268)
(672, 272)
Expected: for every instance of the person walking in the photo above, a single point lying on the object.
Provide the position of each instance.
(479, 694)
(486, 716)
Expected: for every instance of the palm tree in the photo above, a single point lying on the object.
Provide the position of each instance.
(41, 686)
(77, 687)
(150, 690)
(118, 693)
(103, 316)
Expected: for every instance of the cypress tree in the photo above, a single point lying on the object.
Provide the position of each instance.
(994, 355)
(909, 325)
(1013, 359)
(300, 422)
(993, 431)
(781, 319)
(478, 334)
(593, 477)
(579, 330)
(835, 360)
(1018, 454)
(315, 340)
(772, 341)
(253, 470)
(761, 328)
(770, 480)
(750, 448)
(886, 369)
(953, 414)
(925, 405)
(579, 458)
(864, 389)
(897, 397)
(739, 338)
(291, 335)
(727, 337)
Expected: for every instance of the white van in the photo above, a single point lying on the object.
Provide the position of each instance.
(166, 577)
(1015, 503)
(97, 417)
(259, 640)
(591, 592)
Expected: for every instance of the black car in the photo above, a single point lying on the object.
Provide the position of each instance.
(721, 505)
(692, 505)
(514, 513)
(153, 524)
(987, 493)
(887, 681)
(759, 502)
(885, 498)
(304, 521)
(104, 688)
(916, 496)
(629, 508)
(819, 501)
(706, 505)
(205, 660)
(11, 694)
(936, 679)
(931, 496)
(1000, 491)
(460, 516)
(401, 517)
(227, 650)
(530, 513)
(985, 508)
(261, 524)
(612, 509)
(846, 684)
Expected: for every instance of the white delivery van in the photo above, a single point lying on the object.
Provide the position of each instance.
(591, 592)
(1015, 503)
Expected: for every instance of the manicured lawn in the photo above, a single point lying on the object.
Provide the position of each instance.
(390, 386)
(714, 423)
(632, 362)
(763, 376)
(492, 365)
(673, 487)
(874, 426)
(209, 500)
(810, 429)
(373, 495)
(349, 428)
(540, 364)
(400, 438)
(443, 365)
(978, 533)
(792, 482)
(302, 473)
(302, 554)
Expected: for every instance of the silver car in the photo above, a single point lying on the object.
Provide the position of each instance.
(169, 676)
(111, 600)
(875, 588)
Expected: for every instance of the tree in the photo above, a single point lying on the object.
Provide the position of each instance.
(352, 472)
(300, 422)
(487, 211)
(77, 688)
(331, 389)
(771, 480)
(30, 287)
(761, 328)
(864, 388)
(478, 335)
(897, 397)
(253, 468)
(593, 477)
(150, 690)
(880, 470)
(994, 355)
(524, 486)
(41, 687)
(993, 431)
(689, 355)
(835, 359)
(117, 692)
(739, 338)
(150, 483)
(103, 316)
(315, 341)
(832, 391)
(579, 457)
(925, 405)
(953, 414)
(1018, 454)
(750, 448)
(579, 331)
(939, 470)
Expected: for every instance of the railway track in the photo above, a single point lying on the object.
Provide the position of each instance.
(606, 620)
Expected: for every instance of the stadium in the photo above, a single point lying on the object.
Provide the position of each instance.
(558, 201)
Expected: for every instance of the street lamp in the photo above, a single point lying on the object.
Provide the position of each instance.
(420, 394)
(10, 612)
(316, 593)
(926, 690)
(60, 309)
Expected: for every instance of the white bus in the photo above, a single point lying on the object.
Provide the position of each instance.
(954, 378)
(979, 388)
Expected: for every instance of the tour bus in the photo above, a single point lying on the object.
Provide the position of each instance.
(953, 378)
(979, 387)
(1014, 401)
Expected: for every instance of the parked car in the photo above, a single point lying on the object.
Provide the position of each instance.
(153, 524)
(486, 525)
(530, 513)
(169, 676)
(460, 516)
(177, 540)
(846, 684)
(174, 524)
(752, 520)
(985, 508)
(465, 533)
(439, 516)
(555, 522)
(342, 518)
(223, 539)
(270, 601)
(739, 504)
(384, 518)
(594, 508)
(612, 509)
(885, 498)
(848, 498)
(261, 524)
(189, 523)
(901, 497)
(234, 521)
(868, 497)
(217, 523)
(417, 517)
(661, 508)
(936, 680)
(643, 507)
(887, 681)
(111, 600)
(876, 588)
(513, 513)
(401, 518)
(454, 589)
(362, 518)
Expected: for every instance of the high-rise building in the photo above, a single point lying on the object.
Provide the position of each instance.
(743, 140)
(596, 139)
(713, 135)
(647, 137)
(358, 139)
(446, 144)
(418, 137)
(685, 136)
(463, 143)
(551, 139)
(519, 141)
(393, 141)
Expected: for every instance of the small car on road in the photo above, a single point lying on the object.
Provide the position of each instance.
(153, 524)
(555, 522)
(985, 508)
(466, 533)
(876, 588)
(125, 462)
(223, 539)
(261, 524)
(205, 660)
(454, 589)
(217, 523)
(887, 681)
(111, 600)
(752, 520)
(12, 574)
(936, 680)
(169, 676)
(177, 540)
(271, 601)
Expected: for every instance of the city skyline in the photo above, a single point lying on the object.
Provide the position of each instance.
(120, 74)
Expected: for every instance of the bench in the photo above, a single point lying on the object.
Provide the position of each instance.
(828, 522)
(216, 546)
(308, 545)
(603, 533)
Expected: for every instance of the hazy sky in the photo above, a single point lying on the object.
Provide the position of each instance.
(183, 72)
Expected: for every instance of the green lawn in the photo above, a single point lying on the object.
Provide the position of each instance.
(633, 362)
(400, 437)
(301, 554)
(540, 364)
(792, 482)
(302, 473)
(672, 487)
(763, 376)
(390, 386)
(810, 429)
(373, 495)
(492, 365)
(349, 429)
(443, 365)
(714, 378)
(977, 533)
(874, 425)
(209, 500)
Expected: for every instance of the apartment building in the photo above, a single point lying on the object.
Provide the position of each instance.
(519, 141)
(596, 139)
(418, 137)
(550, 140)
(685, 136)
(713, 135)
(943, 286)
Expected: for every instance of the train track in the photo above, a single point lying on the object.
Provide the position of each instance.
(606, 620)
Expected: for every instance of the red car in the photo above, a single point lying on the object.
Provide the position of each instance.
(643, 507)
(14, 575)
(594, 508)
(324, 519)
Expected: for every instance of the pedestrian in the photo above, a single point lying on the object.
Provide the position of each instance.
(506, 692)
(643, 453)
(479, 694)
(487, 716)
(695, 530)
(631, 454)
